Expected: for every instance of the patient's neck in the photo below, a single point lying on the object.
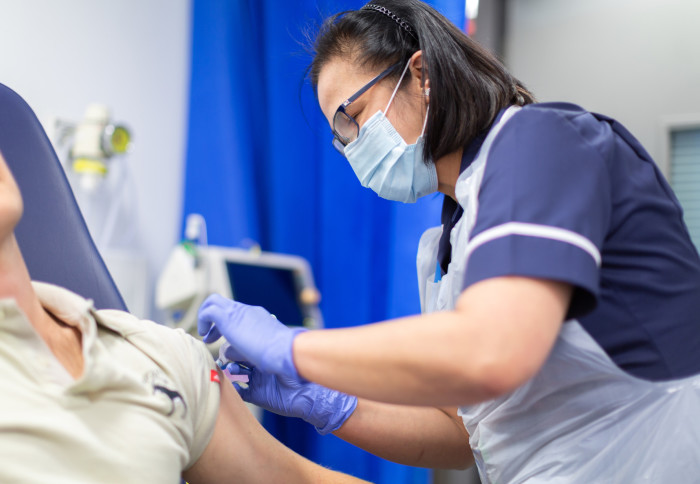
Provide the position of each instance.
(15, 283)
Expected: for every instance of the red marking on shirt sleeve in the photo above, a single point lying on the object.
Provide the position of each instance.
(215, 376)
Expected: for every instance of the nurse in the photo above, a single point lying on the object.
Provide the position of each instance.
(560, 295)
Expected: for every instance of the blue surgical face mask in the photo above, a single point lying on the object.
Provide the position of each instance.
(383, 161)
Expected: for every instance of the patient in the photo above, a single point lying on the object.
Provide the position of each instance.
(100, 396)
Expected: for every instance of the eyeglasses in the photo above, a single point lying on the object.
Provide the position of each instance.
(345, 128)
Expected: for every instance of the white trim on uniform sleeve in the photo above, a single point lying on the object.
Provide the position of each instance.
(534, 230)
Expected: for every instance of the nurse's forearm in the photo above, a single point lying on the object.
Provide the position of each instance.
(416, 436)
(409, 361)
(498, 337)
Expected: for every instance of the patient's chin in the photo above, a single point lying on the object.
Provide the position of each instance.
(10, 214)
(11, 205)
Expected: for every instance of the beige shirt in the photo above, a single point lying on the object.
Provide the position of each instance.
(143, 410)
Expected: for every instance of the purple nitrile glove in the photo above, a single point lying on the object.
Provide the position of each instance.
(325, 409)
(254, 334)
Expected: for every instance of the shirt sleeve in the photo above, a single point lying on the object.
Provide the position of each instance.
(186, 363)
(545, 203)
(199, 375)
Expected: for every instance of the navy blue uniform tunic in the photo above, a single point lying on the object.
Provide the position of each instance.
(600, 216)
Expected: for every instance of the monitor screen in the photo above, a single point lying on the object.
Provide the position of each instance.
(273, 288)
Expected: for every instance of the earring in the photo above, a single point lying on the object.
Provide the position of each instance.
(427, 92)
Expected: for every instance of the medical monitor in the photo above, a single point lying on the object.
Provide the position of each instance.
(282, 284)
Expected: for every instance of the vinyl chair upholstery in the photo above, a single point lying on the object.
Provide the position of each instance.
(52, 234)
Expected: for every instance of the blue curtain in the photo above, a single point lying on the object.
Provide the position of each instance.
(260, 166)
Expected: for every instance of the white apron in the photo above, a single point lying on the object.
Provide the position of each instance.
(581, 419)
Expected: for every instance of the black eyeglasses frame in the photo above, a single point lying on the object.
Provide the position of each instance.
(340, 141)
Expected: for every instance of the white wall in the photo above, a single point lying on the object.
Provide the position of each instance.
(132, 55)
(635, 60)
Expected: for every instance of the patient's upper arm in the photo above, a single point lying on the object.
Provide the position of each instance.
(226, 454)
(243, 450)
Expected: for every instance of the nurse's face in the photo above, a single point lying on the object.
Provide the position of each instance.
(340, 78)
(10, 201)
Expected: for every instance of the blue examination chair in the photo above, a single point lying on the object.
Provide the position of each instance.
(52, 234)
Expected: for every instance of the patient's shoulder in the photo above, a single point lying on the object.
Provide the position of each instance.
(143, 348)
(149, 336)
(182, 358)
(126, 323)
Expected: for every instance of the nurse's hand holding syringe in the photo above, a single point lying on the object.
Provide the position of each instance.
(263, 353)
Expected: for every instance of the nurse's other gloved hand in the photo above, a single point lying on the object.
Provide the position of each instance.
(325, 409)
(254, 334)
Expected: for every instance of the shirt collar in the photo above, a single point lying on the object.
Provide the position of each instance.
(67, 306)
(474, 145)
(70, 308)
(451, 210)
